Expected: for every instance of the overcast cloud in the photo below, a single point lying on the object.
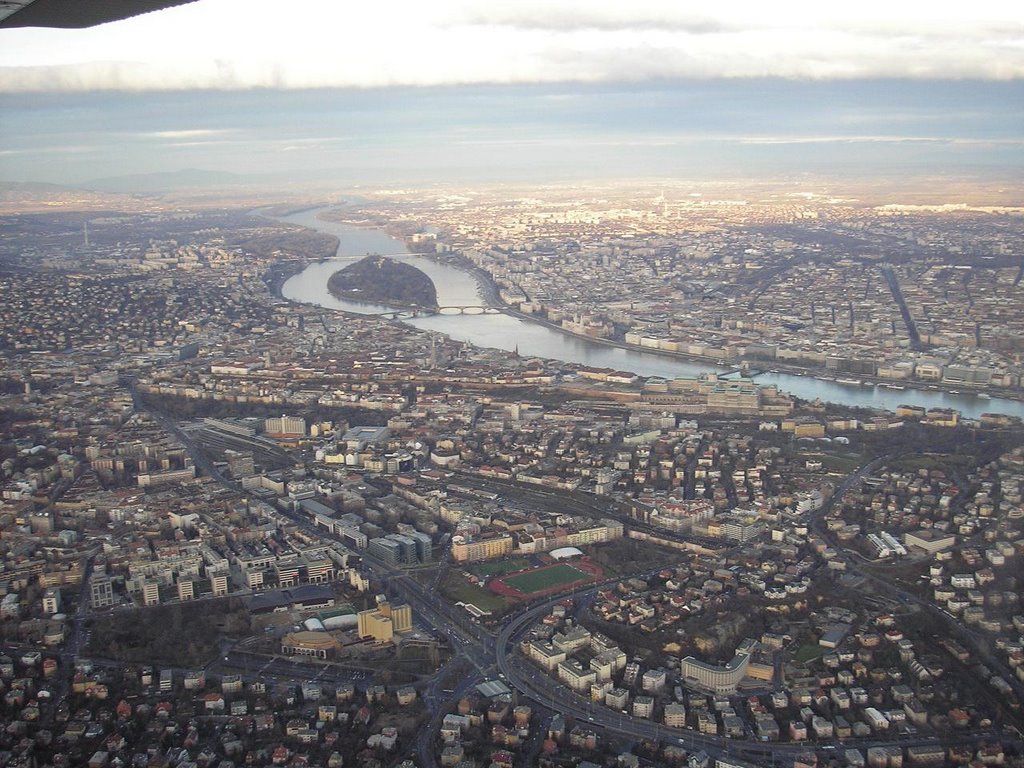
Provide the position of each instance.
(533, 89)
(521, 132)
(239, 44)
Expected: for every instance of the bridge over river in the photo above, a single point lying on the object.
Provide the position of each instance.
(463, 315)
(468, 309)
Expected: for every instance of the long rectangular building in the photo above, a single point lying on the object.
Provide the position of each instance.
(716, 678)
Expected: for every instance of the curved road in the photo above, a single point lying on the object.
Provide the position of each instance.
(485, 653)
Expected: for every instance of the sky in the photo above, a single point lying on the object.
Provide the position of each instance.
(451, 90)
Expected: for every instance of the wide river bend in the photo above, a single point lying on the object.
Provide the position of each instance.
(456, 287)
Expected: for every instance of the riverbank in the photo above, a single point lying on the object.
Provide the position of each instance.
(280, 212)
(490, 293)
(761, 367)
(355, 223)
(280, 272)
(510, 330)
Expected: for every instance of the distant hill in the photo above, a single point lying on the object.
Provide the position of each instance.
(10, 190)
(380, 280)
(166, 181)
(33, 196)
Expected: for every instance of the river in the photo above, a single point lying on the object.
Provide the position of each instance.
(456, 287)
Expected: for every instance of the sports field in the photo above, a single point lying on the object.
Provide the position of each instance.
(543, 579)
(486, 570)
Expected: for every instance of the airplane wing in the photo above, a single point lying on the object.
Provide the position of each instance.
(75, 14)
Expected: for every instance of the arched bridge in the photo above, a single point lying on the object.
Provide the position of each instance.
(467, 309)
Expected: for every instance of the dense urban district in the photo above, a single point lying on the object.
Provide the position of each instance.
(923, 294)
(239, 530)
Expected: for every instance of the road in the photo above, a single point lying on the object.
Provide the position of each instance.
(900, 598)
(74, 643)
(482, 653)
(538, 686)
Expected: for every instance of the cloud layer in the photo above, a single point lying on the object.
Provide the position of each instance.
(521, 132)
(242, 44)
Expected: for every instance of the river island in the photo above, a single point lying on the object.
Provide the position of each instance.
(378, 279)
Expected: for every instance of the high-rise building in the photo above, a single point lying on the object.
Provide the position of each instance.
(319, 570)
(51, 601)
(373, 623)
(489, 548)
(401, 618)
(150, 593)
(406, 548)
(387, 549)
(219, 584)
(241, 463)
(101, 592)
(285, 426)
(402, 549)
(381, 623)
(424, 546)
